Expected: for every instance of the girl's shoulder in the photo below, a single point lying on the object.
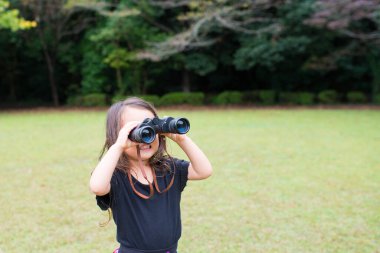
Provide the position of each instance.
(176, 162)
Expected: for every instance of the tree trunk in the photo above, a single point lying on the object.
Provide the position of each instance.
(374, 63)
(51, 67)
(119, 79)
(11, 78)
(12, 88)
(186, 81)
(144, 81)
(53, 84)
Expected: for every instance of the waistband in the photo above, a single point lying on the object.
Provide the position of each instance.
(171, 249)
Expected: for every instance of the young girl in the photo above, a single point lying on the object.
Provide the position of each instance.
(141, 183)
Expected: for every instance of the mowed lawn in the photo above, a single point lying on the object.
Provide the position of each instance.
(284, 181)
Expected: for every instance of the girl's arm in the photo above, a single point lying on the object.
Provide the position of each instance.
(200, 167)
(101, 176)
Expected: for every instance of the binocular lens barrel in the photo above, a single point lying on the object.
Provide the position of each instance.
(145, 134)
(147, 130)
(179, 125)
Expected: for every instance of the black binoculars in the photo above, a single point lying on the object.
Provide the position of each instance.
(147, 130)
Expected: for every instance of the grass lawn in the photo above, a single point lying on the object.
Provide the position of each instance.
(284, 181)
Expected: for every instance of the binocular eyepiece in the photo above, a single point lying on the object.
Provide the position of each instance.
(147, 130)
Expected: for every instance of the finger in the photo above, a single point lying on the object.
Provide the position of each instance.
(131, 125)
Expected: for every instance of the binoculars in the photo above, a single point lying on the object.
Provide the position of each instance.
(147, 130)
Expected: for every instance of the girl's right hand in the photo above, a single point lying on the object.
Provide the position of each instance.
(122, 140)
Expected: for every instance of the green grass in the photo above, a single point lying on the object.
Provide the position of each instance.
(284, 181)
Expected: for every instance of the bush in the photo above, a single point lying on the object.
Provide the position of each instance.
(177, 98)
(153, 99)
(251, 97)
(356, 97)
(288, 98)
(267, 97)
(229, 97)
(74, 100)
(118, 98)
(94, 99)
(209, 98)
(376, 99)
(328, 97)
(306, 98)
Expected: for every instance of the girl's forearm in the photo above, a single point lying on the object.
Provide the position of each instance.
(198, 159)
(101, 176)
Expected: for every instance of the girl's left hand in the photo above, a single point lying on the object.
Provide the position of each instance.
(176, 137)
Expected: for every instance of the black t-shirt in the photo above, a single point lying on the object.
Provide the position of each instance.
(151, 224)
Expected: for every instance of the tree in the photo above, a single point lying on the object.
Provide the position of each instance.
(10, 18)
(56, 22)
(358, 21)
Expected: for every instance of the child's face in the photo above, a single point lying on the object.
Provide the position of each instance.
(146, 150)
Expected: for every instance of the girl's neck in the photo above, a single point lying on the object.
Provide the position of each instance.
(135, 165)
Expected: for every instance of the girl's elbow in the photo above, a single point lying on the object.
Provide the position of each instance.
(209, 173)
(98, 189)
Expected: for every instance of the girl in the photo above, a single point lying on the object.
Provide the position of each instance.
(147, 217)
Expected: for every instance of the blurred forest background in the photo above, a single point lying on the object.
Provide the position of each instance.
(88, 53)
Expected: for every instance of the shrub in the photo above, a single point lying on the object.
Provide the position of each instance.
(177, 98)
(328, 97)
(251, 97)
(74, 100)
(356, 97)
(376, 99)
(94, 99)
(118, 98)
(210, 98)
(229, 97)
(306, 98)
(153, 99)
(267, 97)
(288, 98)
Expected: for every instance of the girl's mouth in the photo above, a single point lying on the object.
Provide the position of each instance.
(145, 147)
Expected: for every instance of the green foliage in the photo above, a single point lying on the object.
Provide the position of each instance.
(229, 97)
(288, 98)
(94, 99)
(328, 97)
(93, 68)
(103, 48)
(92, 71)
(118, 98)
(356, 97)
(263, 51)
(153, 99)
(306, 98)
(251, 97)
(10, 19)
(267, 97)
(296, 98)
(376, 99)
(74, 100)
(118, 58)
(178, 98)
(200, 63)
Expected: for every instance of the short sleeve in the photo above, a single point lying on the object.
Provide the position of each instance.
(182, 168)
(105, 201)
